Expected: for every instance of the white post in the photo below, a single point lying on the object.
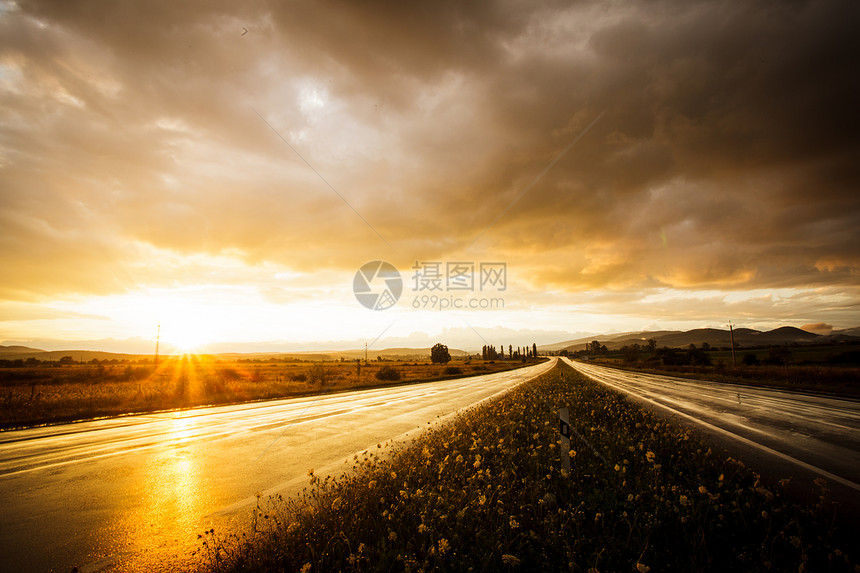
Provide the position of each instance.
(564, 431)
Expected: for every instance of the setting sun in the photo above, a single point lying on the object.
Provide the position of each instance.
(186, 337)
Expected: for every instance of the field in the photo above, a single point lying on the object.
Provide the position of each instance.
(44, 394)
(841, 381)
(486, 492)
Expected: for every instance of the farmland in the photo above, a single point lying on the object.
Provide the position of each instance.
(830, 369)
(487, 492)
(33, 395)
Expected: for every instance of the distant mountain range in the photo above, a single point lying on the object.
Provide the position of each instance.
(716, 337)
(25, 352)
(713, 336)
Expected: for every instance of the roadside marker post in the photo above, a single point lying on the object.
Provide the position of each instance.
(564, 431)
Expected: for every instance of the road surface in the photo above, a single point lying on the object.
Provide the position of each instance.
(131, 494)
(782, 433)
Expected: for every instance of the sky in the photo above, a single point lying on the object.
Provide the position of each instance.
(216, 173)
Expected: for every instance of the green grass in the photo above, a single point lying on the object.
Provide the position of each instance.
(486, 493)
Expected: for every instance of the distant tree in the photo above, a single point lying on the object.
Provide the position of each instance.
(698, 357)
(670, 357)
(652, 345)
(534, 349)
(67, 360)
(750, 359)
(564, 353)
(439, 354)
(631, 353)
(706, 347)
(510, 350)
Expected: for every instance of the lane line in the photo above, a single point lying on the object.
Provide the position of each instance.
(329, 468)
(96, 450)
(747, 441)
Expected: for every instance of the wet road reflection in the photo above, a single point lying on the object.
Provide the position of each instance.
(131, 494)
(820, 434)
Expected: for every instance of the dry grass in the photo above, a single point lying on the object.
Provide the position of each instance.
(38, 395)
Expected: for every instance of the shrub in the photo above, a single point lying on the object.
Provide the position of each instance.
(388, 373)
(318, 374)
(451, 370)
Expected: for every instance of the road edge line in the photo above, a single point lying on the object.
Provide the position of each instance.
(742, 439)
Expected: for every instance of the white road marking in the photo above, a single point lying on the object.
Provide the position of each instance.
(742, 439)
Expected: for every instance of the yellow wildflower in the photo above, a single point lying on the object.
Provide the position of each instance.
(443, 546)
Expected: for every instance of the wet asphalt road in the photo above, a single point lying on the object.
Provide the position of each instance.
(132, 493)
(777, 433)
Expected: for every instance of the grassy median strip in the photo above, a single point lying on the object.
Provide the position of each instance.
(486, 492)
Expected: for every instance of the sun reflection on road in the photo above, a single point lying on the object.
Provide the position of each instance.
(173, 498)
(181, 429)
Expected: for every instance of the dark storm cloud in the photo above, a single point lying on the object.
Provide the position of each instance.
(725, 156)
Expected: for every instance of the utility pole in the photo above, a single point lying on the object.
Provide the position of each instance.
(732, 336)
(157, 337)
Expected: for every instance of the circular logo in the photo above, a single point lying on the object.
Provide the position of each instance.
(377, 285)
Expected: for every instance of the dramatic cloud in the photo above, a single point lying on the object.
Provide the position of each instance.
(818, 328)
(690, 146)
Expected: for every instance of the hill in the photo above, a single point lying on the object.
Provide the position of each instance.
(715, 337)
(603, 339)
(4, 350)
